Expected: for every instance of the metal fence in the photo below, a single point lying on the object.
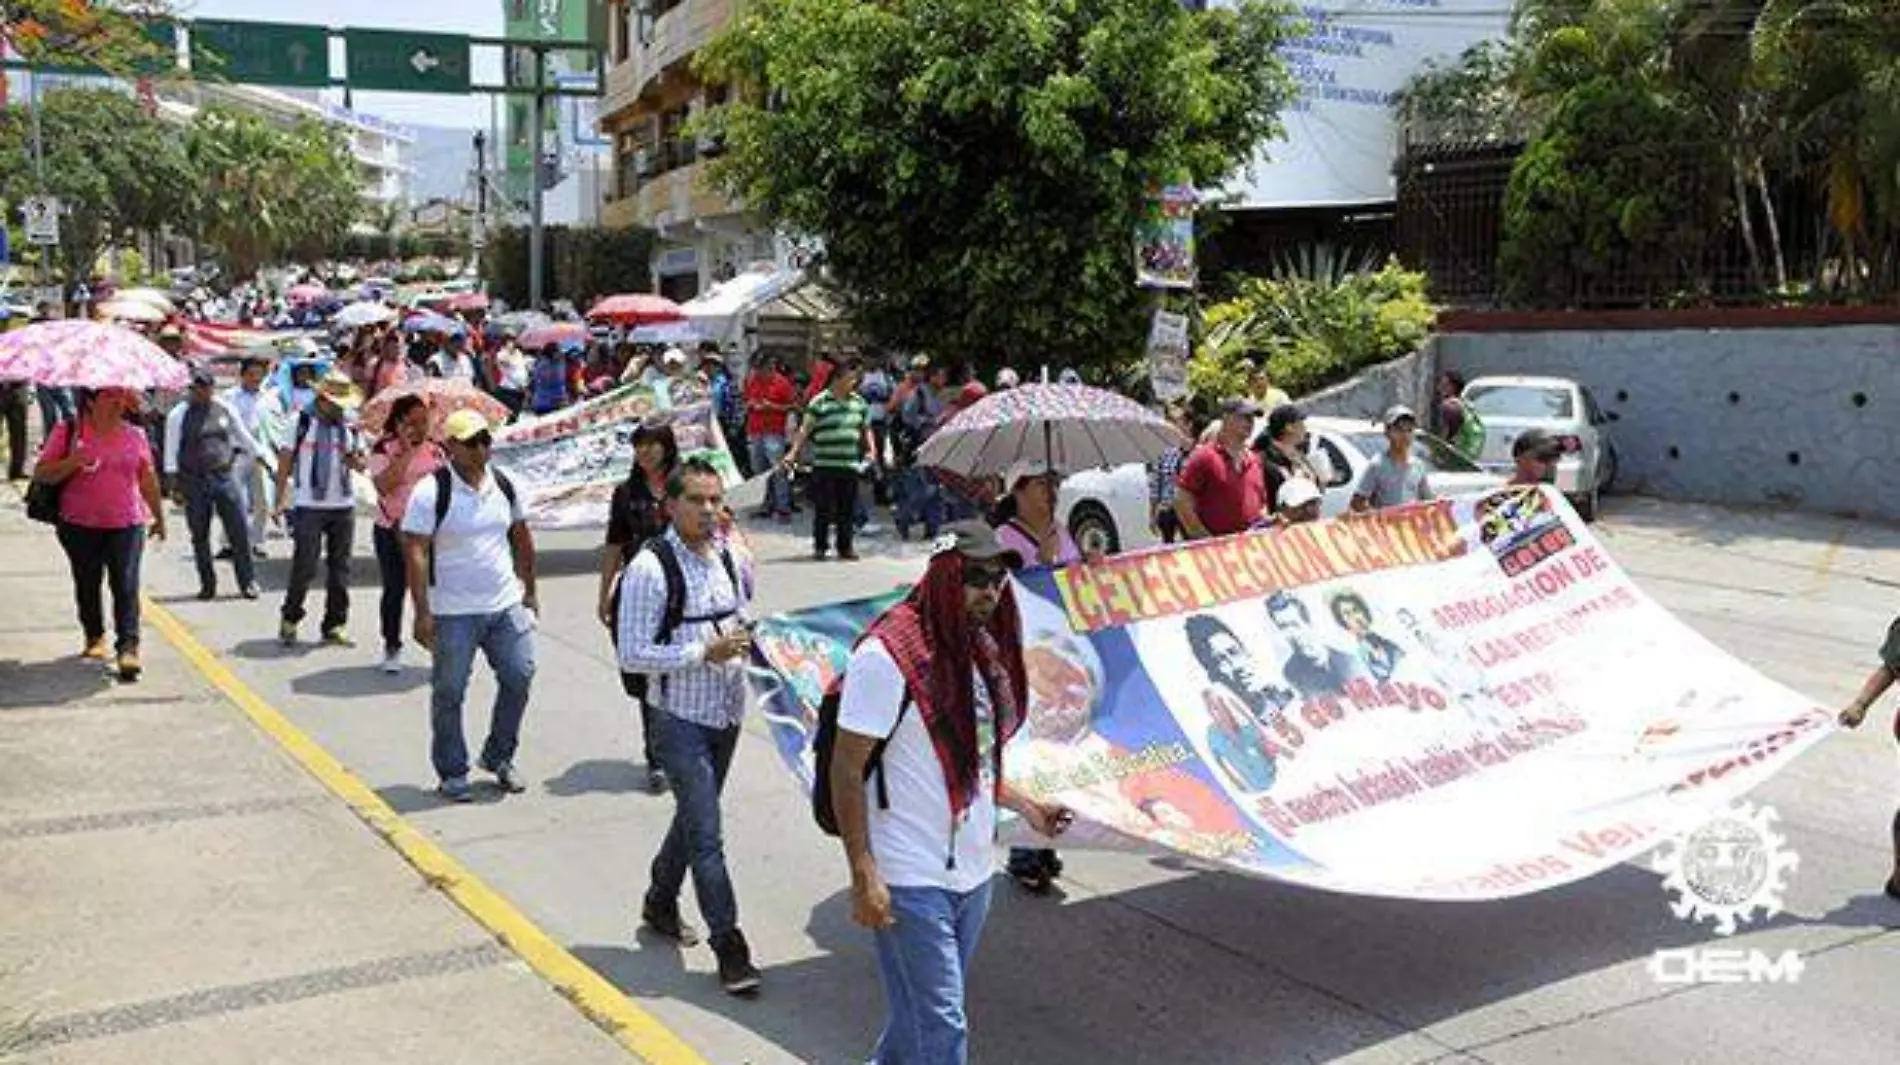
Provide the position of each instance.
(1450, 224)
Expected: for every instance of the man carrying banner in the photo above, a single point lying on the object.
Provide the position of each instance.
(932, 694)
(1875, 686)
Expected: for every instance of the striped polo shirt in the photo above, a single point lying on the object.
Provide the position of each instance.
(837, 430)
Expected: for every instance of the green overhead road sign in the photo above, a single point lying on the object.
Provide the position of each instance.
(261, 53)
(398, 61)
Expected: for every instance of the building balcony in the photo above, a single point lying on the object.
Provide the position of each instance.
(669, 201)
(676, 36)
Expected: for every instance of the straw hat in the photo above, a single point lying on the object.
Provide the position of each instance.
(337, 387)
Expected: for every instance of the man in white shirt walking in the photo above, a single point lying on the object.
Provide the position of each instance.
(938, 680)
(325, 448)
(470, 567)
(696, 684)
(255, 406)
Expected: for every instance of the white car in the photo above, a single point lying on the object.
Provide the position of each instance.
(1559, 406)
(1107, 509)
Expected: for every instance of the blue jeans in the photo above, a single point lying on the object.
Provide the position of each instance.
(114, 557)
(695, 758)
(925, 958)
(217, 494)
(766, 452)
(56, 405)
(393, 568)
(506, 639)
(919, 499)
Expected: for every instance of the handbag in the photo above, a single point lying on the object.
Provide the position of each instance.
(42, 498)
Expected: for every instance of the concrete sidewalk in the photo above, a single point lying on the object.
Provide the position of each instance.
(177, 886)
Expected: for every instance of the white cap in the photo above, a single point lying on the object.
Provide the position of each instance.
(1006, 378)
(1022, 468)
(672, 356)
(1298, 492)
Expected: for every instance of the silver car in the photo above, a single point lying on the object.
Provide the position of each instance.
(1559, 406)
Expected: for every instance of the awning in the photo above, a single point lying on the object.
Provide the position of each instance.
(718, 311)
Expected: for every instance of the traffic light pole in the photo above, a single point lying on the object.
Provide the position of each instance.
(536, 194)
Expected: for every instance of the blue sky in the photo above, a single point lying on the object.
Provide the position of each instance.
(475, 17)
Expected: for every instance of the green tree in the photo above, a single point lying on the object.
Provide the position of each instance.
(266, 191)
(116, 170)
(976, 169)
(105, 35)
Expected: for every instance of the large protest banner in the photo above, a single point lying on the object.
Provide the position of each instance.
(1457, 700)
(570, 461)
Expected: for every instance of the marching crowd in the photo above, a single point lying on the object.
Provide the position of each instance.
(911, 746)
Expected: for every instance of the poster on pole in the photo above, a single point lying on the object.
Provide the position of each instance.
(1164, 239)
(1168, 355)
(1457, 700)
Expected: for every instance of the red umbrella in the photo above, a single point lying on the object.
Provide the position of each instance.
(465, 301)
(558, 334)
(636, 308)
(305, 293)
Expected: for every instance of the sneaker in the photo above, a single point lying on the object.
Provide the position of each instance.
(207, 592)
(392, 661)
(818, 554)
(455, 789)
(737, 974)
(506, 778)
(847, 556)
(665, 922)
(96, 650)
(287, 634)
(338, 637)
(129, 667)
(252, 591)
(224, 553)
(656, 782)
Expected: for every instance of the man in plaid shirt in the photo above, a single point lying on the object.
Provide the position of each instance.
(697, 682)
(1162, 473)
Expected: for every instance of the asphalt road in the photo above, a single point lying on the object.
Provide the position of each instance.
(1144, 959)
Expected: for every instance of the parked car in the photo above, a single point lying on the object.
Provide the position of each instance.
(1107, 509)
(1559, 406)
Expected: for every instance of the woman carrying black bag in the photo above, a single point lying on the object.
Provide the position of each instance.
(100, 467)
(638, 513)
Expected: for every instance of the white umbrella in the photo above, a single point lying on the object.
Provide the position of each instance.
(358, 315)
(1071, 427)
(122, 310)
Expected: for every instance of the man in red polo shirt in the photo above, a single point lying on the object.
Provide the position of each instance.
(769, 397)
(1220, 491)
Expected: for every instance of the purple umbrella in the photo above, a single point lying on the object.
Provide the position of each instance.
(1071, 427)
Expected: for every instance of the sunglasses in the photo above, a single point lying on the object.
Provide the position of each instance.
(480, 440)
(984, 576)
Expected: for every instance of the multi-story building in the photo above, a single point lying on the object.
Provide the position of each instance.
(652, 96)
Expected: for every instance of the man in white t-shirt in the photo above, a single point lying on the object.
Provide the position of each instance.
(471, 578)
(939, 680)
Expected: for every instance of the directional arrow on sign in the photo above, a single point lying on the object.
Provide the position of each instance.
(299, 55)
(424, 61)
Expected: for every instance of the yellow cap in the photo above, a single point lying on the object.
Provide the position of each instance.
(465, 425)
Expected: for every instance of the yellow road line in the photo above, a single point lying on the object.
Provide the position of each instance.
(601, 1002)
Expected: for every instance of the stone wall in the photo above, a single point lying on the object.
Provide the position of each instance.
(1404, 380)
(1805, 416)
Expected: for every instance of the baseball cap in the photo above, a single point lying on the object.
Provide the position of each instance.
(1023, 468)
(171, 332)
(1239, 406)
(673, 356)
(202, 376)
(465, 425)
(1298, 492)
(1538, 443)
(1396, 413)
(976, 541)
(1007, 378)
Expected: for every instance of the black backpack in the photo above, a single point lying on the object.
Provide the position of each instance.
(445, 495)
(826, 740)
(673, 612)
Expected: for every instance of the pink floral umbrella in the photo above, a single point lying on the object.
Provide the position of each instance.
(1071, 427)
(444, 395)
(305, 293)
(74, 353)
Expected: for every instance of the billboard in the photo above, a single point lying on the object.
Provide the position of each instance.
(1341, 134)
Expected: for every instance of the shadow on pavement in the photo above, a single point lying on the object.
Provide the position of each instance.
(409, 799)
(61, 680)
(602, 776)
(365, 681)
(1872, 909)
(266, 649)
(1316, 975)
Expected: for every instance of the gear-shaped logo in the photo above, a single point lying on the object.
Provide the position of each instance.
(1727, 867)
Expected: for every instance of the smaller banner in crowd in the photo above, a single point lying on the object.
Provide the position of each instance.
(1457, 700)
(1168, 355)
(569, 462)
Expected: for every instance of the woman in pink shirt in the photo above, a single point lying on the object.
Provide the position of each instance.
(397, 463)
(109, 492)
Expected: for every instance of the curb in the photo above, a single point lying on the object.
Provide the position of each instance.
(598, 1000)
